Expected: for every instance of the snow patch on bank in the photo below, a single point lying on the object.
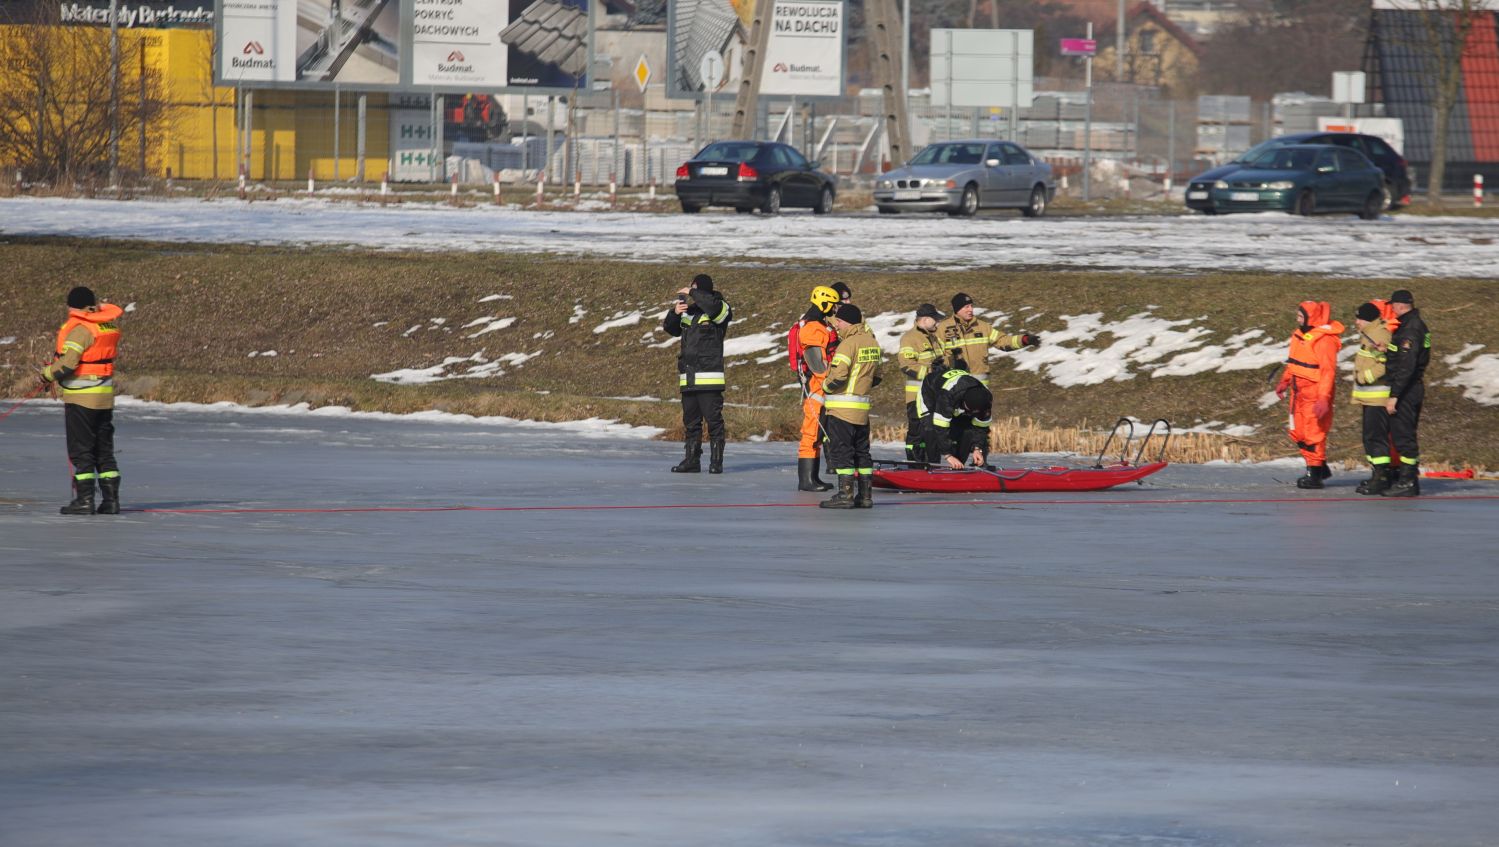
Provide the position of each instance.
(591, 426)
(478, 367)
(619, 319)
(1478, 377)
(9, 339)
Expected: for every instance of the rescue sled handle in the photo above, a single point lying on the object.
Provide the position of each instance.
(1129, 436)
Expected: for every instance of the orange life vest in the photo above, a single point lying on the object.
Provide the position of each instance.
(99, 359)
(1387, 314)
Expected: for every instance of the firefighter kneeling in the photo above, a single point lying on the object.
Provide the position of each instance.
(852, 375)
(955, 409)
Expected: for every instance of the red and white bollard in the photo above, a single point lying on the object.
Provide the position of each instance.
(242, 181)
(541, 184)
(1477, 191)
(453, 189)
(497, 188)
(613, 186)
(385, 185)
(577, 184)
(653, 189)
(310, 187)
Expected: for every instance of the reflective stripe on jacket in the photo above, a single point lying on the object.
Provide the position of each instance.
(702, 329)
(918, 350)
(852, 375)
(1370, 388)
(84, 369)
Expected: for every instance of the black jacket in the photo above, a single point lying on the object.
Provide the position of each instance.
(1407, 365)
(941, 397)
(702, 329)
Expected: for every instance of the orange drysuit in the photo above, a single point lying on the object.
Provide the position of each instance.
(1310, 378)
(814, 333)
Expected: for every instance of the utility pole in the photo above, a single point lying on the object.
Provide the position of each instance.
(114, 92)
(1088, 124)
(889, 70)
(1119, 46)
(905, 51)
(747, 100)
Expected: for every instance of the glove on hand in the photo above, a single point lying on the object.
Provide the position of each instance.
(1028, 340)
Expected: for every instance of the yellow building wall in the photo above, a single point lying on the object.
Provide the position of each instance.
(292, 131)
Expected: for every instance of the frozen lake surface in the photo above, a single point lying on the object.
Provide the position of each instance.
(1210, 659)
(1340, 245)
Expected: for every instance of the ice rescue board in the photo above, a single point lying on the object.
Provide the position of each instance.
(933, 479)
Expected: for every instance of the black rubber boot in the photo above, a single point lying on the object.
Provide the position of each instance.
(109, 496)
(1324, 471)
(83, 498)
(865, 497)
(844, 499)
(1407, 482)
(1313, 478)
(692, 460)
(806, 476)
(1380, 479)
(715, 456)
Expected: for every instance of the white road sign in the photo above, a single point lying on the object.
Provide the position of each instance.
(711, 70)
(983, 67)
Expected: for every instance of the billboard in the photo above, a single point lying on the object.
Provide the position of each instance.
(395, 45)
(695, 28)
(280, 41)
(804, 56)
(142, 14)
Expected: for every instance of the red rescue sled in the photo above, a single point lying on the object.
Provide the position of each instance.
(918, 476)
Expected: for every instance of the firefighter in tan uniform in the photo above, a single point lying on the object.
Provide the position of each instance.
(920, 348)
(966, 339)
(852, 376)
(84, 369)
(1371, 389)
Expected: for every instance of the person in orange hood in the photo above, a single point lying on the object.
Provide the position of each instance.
(1310, 378)
(84, 369)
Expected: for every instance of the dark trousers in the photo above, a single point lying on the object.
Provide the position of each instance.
(914, 433)
(91, 440)
(848, 445)
(1377, 433)
(1404, 422)
(698, 406)
(965, 437)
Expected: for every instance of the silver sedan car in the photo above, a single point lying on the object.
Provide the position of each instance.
(961, 177)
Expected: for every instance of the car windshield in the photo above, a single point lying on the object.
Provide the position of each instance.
(950, 154)
(1285, 159)
(729, 151)
(1260, 149)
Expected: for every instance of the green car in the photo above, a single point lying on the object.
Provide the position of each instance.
(1302, 179)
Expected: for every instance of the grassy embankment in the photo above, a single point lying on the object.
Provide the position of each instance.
(334, 317)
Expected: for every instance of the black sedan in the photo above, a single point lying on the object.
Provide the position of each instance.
(1397, 179)
(750, 175)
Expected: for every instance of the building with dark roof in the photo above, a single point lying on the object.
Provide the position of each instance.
(1402, 76)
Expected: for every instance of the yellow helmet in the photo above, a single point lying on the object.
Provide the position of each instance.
(824, 298)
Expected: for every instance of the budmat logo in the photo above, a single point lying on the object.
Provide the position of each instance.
(457, 63)
(252, 49)
(780, 68)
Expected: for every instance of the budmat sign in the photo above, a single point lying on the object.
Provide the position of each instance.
(804, 57)
(148, 14)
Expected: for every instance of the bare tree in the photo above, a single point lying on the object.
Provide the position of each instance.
(1441, 42)
(54, 123)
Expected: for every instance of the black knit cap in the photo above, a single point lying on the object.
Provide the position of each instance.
(702, 282)
(960, 300)
(844, 292)
(1367, 312)
(849, 312)
(81, 298)
(1403, 296)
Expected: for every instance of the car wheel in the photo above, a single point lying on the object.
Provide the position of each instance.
(824, 203)
(690, 209)
(743, 210)
(1387, 199)
(888, 210)
(772, 201)
(1037, 207)
(1306, 203)
(968, 206)
(1374, 205)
